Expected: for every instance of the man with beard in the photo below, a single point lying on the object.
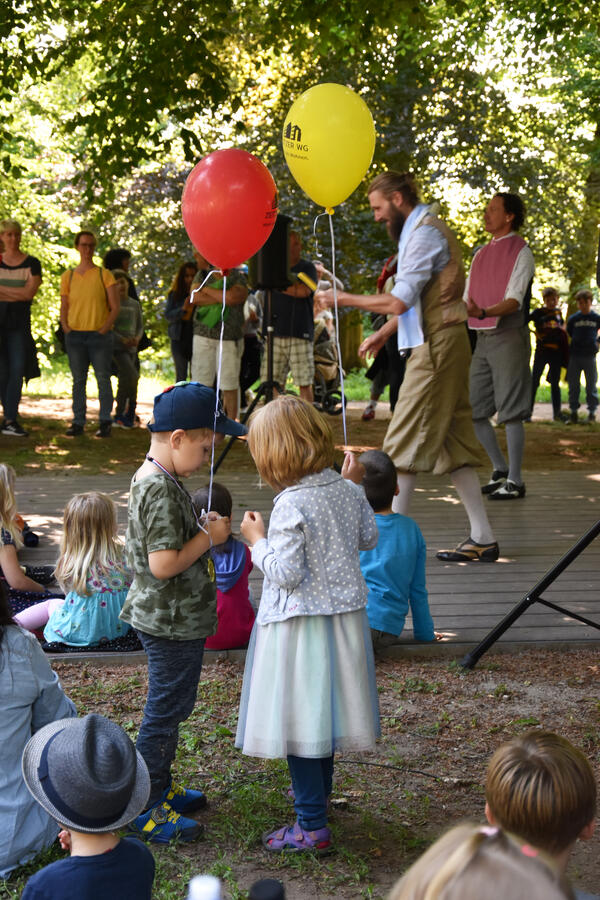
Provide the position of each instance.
(431, 429)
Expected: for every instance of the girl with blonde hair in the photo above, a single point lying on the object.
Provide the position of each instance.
(309, 684)
(22, 590)
(472, 862)
(92, 570)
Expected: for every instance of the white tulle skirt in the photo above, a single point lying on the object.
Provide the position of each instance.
(309, 688)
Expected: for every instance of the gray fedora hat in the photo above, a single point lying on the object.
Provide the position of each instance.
(86, 773)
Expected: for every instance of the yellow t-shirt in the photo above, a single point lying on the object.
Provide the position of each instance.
(88, 303)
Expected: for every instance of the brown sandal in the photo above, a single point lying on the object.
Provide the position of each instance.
(471, 551)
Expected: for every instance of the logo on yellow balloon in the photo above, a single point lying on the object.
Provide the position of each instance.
(292, 142)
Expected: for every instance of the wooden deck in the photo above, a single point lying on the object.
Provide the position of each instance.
(467, 600)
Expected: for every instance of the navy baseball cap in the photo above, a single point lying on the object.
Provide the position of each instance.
(188, 405)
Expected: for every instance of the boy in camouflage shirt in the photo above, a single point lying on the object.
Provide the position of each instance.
(172, 600)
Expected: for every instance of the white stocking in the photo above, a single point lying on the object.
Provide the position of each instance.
(406, 486)
(467, 484)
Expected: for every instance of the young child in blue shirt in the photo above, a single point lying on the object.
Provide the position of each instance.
(395, 569)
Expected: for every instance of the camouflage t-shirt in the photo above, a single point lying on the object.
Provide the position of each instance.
(181, 608)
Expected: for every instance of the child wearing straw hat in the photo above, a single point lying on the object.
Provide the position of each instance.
(87, 774)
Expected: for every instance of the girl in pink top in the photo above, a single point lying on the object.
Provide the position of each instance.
(232, 566)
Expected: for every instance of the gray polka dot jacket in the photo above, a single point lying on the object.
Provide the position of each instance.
(310, 555)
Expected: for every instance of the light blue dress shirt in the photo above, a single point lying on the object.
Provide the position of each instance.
(422, 252)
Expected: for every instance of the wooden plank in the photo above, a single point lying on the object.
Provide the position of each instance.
(466, 600)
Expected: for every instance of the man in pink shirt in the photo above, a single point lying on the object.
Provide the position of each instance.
(496, 295)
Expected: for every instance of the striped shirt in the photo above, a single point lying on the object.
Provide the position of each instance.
(16, 313)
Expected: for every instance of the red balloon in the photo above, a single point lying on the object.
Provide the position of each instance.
(229, 206)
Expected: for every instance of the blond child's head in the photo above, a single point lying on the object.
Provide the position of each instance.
(89, 542)
(471, 861)
(543, 788)
(8, 503)
(289, 439)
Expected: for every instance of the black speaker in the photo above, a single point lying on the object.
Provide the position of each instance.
(270, 268)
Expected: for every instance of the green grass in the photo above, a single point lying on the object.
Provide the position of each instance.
(156, 374)
(55, 380)
(247, 798)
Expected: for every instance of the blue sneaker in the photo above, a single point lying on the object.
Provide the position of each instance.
(182, 800)
(161, 825)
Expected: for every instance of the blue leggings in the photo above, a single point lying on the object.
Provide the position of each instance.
(311, 780)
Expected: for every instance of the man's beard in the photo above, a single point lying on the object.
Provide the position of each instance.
(395, 224)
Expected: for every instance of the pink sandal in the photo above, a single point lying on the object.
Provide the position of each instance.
(294, 839)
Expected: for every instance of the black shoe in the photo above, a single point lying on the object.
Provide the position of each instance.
(14, 429)
(591, 417)
(470, 551)
(561, 417)
(74, 430)
(497, 478)
(105, 430)
(574, 418)
(509, 491)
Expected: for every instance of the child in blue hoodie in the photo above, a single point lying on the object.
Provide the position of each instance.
(395, 569)
(232, 567)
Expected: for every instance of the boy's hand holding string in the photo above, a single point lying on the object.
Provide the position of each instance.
(167, 563)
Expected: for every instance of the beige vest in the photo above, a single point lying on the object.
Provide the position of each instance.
(442, 302)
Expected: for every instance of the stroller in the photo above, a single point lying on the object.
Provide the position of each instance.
(327, 382)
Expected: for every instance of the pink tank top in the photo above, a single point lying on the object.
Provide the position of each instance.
(491, 269)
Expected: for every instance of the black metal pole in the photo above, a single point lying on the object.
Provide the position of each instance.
(534, 595)
(265, 388)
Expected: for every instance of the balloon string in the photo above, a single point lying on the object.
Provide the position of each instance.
(315, 236)
(200, 286)
(337, 326)
(217, 389)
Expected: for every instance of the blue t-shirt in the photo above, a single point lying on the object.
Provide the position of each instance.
(583, 331)
(294, 316)
(395, 574)
(125, 873)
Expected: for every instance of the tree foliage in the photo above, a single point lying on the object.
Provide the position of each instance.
(105, 107)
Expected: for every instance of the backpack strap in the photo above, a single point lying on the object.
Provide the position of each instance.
(102, 283)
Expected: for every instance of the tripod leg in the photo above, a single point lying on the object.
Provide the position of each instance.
(533, 596)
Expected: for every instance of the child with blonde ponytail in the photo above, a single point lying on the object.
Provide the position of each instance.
(92, 572)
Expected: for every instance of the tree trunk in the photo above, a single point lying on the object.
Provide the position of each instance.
(583, 264)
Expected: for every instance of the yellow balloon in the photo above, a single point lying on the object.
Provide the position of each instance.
(328, 142)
